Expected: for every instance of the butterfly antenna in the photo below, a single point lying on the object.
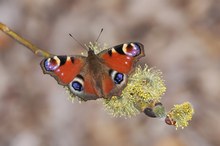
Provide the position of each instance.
(99, 35)
(78, 42)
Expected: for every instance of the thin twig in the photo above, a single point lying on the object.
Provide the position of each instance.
(26, 43)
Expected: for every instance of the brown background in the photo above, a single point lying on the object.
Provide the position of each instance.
(181, 38)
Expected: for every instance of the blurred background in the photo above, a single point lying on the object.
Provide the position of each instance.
(181, 38)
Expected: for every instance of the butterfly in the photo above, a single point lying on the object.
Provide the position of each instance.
(101, 75)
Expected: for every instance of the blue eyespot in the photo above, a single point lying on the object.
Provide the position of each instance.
(51, 64)
(133, 50)
(119, 77)
(77, 86)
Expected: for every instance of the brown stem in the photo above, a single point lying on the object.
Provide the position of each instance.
(26, 43)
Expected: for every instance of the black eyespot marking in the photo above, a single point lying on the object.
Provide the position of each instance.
(110, 72)
(80, 77)
(119, 77)
(62, 60)
(119, 49)
(72, 59)
(110, 52)
(129, 47)
(77, 86)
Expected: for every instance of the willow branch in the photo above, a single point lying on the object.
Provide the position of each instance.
(26, 43)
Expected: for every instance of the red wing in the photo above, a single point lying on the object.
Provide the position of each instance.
(107, 85)
(122, 58)
(91, 91)
(63, 68)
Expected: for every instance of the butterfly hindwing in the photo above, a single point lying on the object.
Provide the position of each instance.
(82, 86)
(104, 84)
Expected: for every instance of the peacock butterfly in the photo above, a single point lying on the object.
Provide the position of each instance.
(101, 75)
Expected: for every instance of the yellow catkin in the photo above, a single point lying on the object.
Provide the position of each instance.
(144, 86)
(181, 114)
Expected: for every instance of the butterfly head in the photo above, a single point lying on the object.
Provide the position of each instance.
(90, 50)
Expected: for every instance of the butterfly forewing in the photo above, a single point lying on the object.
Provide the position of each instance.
(63, 68)
(122, 58)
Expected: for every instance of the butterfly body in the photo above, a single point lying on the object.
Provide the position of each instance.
(101, 75)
